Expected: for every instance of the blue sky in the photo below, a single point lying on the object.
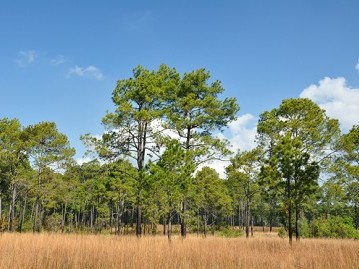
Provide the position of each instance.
(60, 60)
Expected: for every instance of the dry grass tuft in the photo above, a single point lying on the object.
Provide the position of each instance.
(91, 251)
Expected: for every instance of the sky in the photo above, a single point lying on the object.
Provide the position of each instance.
(60, 60)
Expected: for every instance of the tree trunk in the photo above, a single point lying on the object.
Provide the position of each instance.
(251, 226)
(271, 221)
(169, 227)
(198, 224)
(290, 230)
(36, 219)
(91, 217)
(64, 212)
(239, 215)
(111, 217)
(164, 226)
(247, 218)
(205, 225)
(22, 217)
(183, 219)
(138, 221)
(117, 229)
(12, 208)
(297, 223)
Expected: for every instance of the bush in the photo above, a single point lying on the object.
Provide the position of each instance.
(334, 227)
(282, 232)
(229, 232)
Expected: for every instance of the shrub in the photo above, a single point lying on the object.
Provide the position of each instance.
(229, 232)
(334, 227)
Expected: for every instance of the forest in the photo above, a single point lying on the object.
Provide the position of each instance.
(151, 167)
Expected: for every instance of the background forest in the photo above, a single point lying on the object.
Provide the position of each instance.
(152, 167)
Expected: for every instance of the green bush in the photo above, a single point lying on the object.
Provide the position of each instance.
(334, 227)
(229, 232)
(282, 232)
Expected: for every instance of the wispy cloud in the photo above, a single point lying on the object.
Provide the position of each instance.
(137, 21)
(339, 100)
(59, 59)
(357, 66)
(25, 58)
(90, 71)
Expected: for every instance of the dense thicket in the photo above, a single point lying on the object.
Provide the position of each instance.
(303, 175)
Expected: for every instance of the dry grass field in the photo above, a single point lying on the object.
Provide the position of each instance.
(98, 251)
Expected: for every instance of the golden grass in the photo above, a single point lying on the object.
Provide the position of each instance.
(98, 251)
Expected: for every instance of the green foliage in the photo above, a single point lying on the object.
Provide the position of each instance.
(334, 226)
(229, 232)
(282, 232)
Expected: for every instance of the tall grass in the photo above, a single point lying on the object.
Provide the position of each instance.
(98, 251)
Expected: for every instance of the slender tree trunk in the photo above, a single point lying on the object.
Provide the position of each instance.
(239, 215)
(37, 216)
(12, 208)
(76, 216)
(111, 217)
(290, 230)
(198, 223)
(117, 229)
(169, 227)
(71, 222)
(251, 226)
(138, 221)
(271, 221)
(164, 225)
(64, 212)
(247, 218)
(183, 219)
(22, 217)
(205, 225)
(91, 217)
(297, 222)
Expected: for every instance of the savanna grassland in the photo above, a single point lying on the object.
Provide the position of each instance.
(100, 251)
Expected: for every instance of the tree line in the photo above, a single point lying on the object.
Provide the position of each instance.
(150, 167)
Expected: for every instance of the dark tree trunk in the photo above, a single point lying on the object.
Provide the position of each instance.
(169, 227)
(251, 226)
(290, 230)
(183, 219)
(138, 221)
(164, 225)
(12, 208)
(64, 213)
(247, 218)
(297, 222)
(22, 216)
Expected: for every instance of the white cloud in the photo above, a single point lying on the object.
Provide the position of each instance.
(243, 132)
(83, 160)
(339, 100)
(25, 58)
(241, 136)
(357, 66)
(91, 72)
(59, 59)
